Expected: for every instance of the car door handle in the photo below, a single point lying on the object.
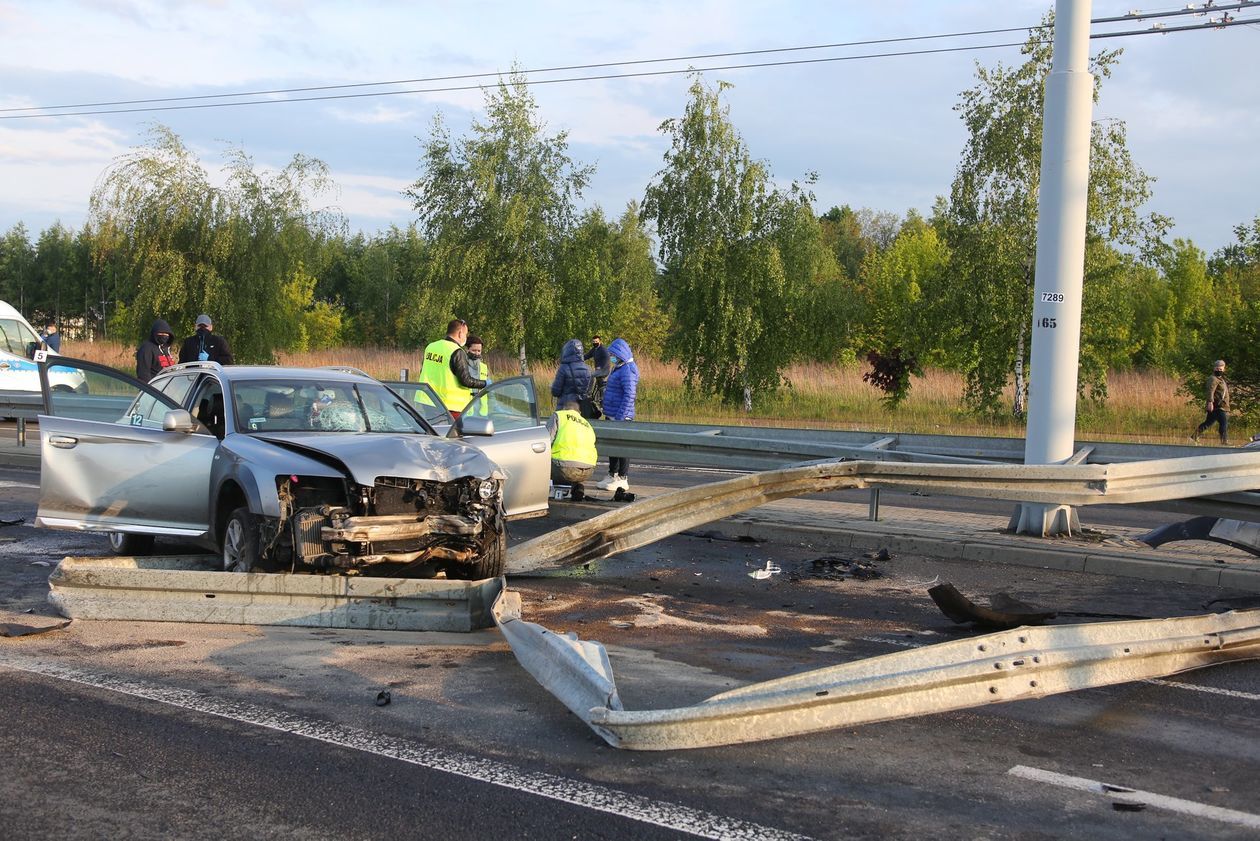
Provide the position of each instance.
(65, 442)
(538, 448)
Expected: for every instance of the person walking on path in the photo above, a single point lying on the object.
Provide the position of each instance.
(573, 378)
(1217, 404)
(573, 453)
(448, 370)
(154, 353)
(619, 397)
(50, 337)
(204, 345)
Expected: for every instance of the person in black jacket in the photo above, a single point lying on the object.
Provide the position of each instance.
(204, 345)
(154, 353)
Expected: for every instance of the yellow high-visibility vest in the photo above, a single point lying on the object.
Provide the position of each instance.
(575, 439)
(436, 371)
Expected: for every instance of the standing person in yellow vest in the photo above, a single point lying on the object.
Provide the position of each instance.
(573, 453)
(448, 370)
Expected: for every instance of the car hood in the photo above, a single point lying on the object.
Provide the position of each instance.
(369, 455)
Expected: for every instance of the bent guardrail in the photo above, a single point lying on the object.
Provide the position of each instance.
(654, 518)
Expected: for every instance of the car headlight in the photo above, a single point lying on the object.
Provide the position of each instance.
(488, 489)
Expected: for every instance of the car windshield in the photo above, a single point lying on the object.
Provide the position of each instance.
(15, 336)
(314, 405)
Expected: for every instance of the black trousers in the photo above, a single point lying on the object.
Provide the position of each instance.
(619, 465)
(1216, 416)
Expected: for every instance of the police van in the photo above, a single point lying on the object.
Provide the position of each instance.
(18, 345)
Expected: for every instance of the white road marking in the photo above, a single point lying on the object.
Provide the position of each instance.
(5, 483)
(574, 792)
(1211, 690)
(1173, 684)
(1147, 798)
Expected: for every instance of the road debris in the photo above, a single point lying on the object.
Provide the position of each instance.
(1004, 611)
(383, 698)
(834, 568)
(771, 568)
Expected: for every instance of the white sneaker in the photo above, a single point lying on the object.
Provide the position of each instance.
(607, 482)
(619, 481)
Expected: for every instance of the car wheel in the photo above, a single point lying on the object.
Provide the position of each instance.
(488, 565)
(240, 542)
(124, 543)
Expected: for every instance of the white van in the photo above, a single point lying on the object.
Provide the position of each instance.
(18, 372)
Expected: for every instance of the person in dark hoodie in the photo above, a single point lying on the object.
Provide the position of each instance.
(619, 397)
(154, 353)
(573, 378)
(204, 345)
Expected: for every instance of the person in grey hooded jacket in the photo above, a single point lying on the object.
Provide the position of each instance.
(573, 378)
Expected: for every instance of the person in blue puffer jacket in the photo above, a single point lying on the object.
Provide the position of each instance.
(573, 378)
(619, 395)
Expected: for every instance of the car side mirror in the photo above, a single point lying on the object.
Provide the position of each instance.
(179, 420)
(474, 426)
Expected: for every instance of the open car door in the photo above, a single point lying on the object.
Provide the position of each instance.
(520, 445)
(422, 398)
(106, 463)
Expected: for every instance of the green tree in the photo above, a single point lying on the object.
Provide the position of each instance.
(991, 219)
(898, 311)
(497, 207)
(1228, 323)
(607, 284)
(17, 256)
(184, 246)
(718, 221)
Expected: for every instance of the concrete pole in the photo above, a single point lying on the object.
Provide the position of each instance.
(1060, 269)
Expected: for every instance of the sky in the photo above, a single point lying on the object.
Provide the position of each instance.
(879, 132)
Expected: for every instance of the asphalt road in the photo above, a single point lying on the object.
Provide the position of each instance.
(199, 731)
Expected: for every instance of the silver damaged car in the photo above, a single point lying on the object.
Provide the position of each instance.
(292, 469)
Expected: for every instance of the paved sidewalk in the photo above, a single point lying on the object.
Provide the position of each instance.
(976, 537)
(943, 534)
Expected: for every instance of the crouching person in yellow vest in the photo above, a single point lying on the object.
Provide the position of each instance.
(573, 454)
(448, 370)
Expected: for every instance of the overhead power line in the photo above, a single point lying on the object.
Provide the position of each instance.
(198, 103)
(557, 69)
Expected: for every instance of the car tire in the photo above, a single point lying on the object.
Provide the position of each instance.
(125, 543)
(239, 545)
(489, 565)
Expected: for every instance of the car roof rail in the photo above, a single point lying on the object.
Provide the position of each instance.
(194, 366)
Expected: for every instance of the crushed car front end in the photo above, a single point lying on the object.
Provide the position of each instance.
(396, 524)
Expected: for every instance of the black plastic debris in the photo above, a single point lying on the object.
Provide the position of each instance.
(1004, 610)
(882, 555)
(835, 568)
(382, 698)
(14, 629)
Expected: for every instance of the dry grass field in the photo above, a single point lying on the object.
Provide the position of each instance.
(1142, 407)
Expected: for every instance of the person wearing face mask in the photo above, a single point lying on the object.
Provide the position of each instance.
(204, 345)
(154, 353)
(1217, 404)
(476, 365)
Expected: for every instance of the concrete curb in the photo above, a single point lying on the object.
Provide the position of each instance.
(866, 536)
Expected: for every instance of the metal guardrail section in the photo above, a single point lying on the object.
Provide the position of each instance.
(652, 519)
(991, 669)
(764, 448)
(189, 589)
